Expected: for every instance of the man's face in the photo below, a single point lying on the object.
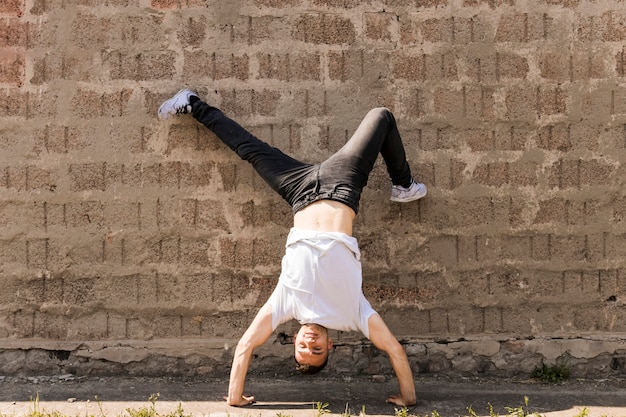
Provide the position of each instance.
(312, 344)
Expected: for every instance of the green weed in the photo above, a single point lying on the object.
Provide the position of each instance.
(346, 412)
(321, 409)
(36, 410)
(402, 412)
(100, 406)
(178, 412)
(150, 411)
(553, 373)
(522, 410)
(145, 411)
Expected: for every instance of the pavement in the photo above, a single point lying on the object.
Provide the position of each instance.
(297, 396)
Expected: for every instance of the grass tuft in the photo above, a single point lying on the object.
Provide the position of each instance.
(553, 374)
(321, 409)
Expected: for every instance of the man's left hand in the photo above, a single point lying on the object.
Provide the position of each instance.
(241, 402)
(399, 400)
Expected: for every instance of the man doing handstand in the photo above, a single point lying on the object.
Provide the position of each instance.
(320, 281)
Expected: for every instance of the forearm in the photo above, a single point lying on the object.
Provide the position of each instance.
(255, 336)
(385, 341)
(238, 372)
(402, 368)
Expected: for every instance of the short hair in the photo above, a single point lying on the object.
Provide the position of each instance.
(306, 369)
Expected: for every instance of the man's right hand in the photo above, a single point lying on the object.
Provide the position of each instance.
(258, 332)
(244, 400)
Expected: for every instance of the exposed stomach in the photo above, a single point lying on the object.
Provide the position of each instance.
(325, 216)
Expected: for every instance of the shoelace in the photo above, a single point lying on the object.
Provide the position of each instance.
(181, 109)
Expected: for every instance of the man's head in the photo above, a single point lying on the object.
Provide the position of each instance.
(311, 348)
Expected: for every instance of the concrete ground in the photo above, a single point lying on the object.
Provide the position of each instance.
(296, 396)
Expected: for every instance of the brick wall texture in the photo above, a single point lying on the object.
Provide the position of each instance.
(129, 245)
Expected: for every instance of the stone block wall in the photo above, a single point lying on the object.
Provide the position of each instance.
(133, 246)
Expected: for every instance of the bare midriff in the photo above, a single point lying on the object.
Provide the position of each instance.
(325, 216)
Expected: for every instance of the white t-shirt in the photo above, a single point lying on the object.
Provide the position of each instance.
(321, 282)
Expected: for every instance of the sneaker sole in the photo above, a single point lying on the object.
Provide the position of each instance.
(408, 200)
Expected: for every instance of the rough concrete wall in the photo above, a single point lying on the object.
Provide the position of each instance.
(133, 246)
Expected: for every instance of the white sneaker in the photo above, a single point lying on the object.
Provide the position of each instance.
(414, 192)
(178, 104)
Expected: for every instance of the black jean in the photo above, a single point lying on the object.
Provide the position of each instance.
(341, 177)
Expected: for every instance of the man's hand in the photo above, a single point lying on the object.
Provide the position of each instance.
(258, 332)
(399, 400)
(244, 400)
(385, 341)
